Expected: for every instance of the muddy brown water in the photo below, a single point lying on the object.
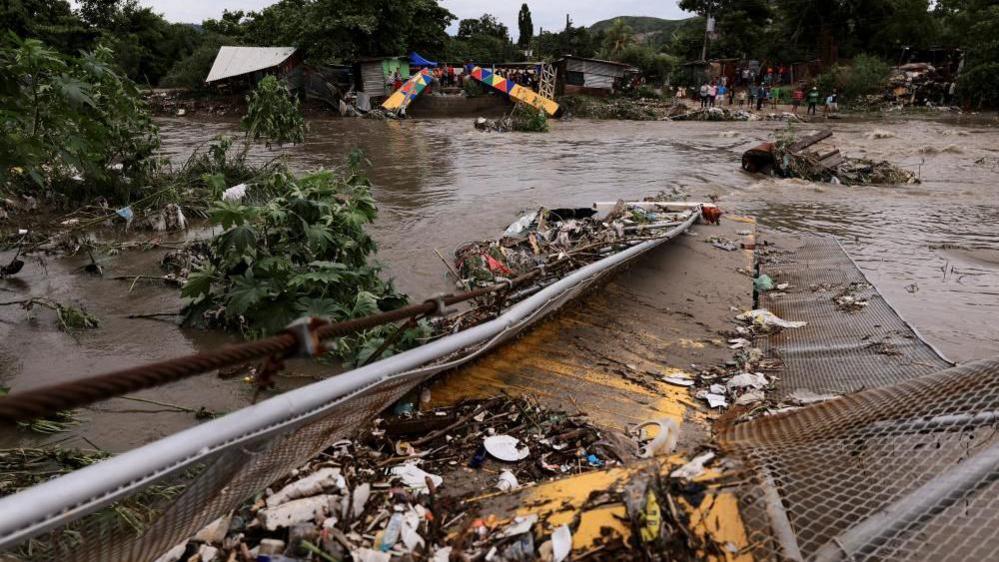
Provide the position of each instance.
(932, 249)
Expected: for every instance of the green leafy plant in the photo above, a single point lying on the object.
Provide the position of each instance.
(72, 124)
(273, 114)
(301, 251)
(529, 119)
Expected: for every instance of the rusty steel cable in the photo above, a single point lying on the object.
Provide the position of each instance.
(43, 401)
(47, 400)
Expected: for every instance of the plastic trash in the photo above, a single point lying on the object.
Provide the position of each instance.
(520, 525)
(763, 283)
(561, 543)
(369, 555)
(442, 554)
(361, 495)
(592, 460)
(126, 213)
(521, 225)
(651, 518)
(739, 343)
(764, 318)
(504, 448)
(694, 468)
(410, 534)
(507, 481)
(714, 399)
(392, 531)
(478, 458)
(311, 485)
(234, 193)
(678, 381)
(747, 380)
(414, 477)
(663, 442)
(296, 511)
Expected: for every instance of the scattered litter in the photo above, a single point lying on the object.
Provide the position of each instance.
(746, 380)
(678, 381)
(714, 400)
(694, 468)
(763, 318)
(414, 477)
(749, 398)
(783, 286)
(723, 244)
(234, 193)
(663, 442)
(763, 283)
(507, 481)
(561, 543)
(504, 448)
(311, 485)
(297, 511)
(739, 343)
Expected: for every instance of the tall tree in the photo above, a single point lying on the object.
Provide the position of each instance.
(619, 37)
(487, 24)
(525, 26)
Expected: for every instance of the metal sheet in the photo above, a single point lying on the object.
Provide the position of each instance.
(236, 61)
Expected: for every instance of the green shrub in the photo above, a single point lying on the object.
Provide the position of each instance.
(300, 250)
(191, 71)
(866, 75)
(273, 114)
(529, 119)
(72, 125)
(980, 84)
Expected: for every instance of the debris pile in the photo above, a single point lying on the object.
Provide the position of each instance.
(627, 109)
(920, 83)
(790, 157)
(410, 487)
(552, 241)
(722, 114)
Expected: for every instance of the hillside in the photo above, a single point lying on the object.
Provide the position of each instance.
(642, 24)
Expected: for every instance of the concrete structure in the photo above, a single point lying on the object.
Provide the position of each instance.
(578, 75)
(250, 64)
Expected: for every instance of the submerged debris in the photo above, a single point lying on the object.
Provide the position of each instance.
(791, 157)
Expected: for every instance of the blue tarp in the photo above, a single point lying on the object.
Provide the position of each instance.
(417, 60)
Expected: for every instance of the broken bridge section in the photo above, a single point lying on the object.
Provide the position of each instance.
(904, 466)
(854, 339)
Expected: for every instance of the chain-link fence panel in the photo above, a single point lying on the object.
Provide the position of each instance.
(854, 339)
(907, 472)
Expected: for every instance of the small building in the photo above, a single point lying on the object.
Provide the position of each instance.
(374, 75)
(578, 75)
(247, 65)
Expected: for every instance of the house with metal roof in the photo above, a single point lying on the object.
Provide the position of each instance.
(250, 64)
(595, 77)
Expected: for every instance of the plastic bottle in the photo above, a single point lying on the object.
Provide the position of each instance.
(392, 531)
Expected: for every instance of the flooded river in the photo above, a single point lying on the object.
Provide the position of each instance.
(932, 249)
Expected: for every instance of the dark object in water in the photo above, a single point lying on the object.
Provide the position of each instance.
(13, 268)
(571, 214)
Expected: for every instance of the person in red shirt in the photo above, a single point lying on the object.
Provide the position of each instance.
(796, 98)
(450, 75)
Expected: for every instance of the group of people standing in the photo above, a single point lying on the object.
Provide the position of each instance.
(715, 93)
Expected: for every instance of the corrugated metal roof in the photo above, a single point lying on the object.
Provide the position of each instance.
(234, 61)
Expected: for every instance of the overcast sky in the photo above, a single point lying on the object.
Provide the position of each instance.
(547, 14)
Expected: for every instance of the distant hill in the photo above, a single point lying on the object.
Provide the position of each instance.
(654, 31)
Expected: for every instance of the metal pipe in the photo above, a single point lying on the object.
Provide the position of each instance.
(933, 496)
(58, 501)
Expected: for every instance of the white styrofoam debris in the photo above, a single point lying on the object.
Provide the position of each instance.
(315, 483)
(297, 511)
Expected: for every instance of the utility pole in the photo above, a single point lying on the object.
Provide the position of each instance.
(708, 28)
